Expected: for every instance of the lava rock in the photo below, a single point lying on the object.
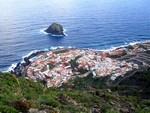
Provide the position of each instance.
(55, 29)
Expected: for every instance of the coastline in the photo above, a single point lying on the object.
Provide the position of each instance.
(110, 56)
(70, 47)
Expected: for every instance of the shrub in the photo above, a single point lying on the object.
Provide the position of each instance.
(7, 109)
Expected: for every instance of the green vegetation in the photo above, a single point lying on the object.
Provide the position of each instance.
(118, 55)
(61, 51)
(86, 83)
(74, 63)
(82, 95)
(51, 66)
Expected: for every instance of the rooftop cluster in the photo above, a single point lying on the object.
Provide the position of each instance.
(59, 66)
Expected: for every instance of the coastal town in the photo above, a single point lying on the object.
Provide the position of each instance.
(58, 66)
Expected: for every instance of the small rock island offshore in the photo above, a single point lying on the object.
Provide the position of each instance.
(55, 29)
(56, 67)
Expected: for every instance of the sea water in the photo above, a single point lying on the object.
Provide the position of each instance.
(94, 24)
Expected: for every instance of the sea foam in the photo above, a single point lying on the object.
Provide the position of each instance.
(43, 32)
(11, 68)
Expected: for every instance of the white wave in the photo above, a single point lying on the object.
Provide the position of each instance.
(125, 45)
(137, 42)
(71, 47)
(27, 55)
(65, 32)
(133, 43)
(43, 31)
(56, 47)
(53, 48)
(61, 47)
(11, 68)
(114, 48)
(45, 49)
(59, 35)
(23, 61)
(56, 35)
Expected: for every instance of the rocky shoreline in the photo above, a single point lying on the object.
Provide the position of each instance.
(55, 67)
(26, 61)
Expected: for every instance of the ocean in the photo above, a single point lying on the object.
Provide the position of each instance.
(94, 24)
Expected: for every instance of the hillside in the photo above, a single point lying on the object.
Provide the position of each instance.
(84, 95)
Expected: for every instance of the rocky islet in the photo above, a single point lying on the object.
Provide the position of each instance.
(55, 29)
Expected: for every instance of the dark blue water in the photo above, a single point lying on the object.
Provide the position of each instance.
(95, 24)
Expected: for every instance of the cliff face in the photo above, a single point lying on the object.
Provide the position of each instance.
(55, 29)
